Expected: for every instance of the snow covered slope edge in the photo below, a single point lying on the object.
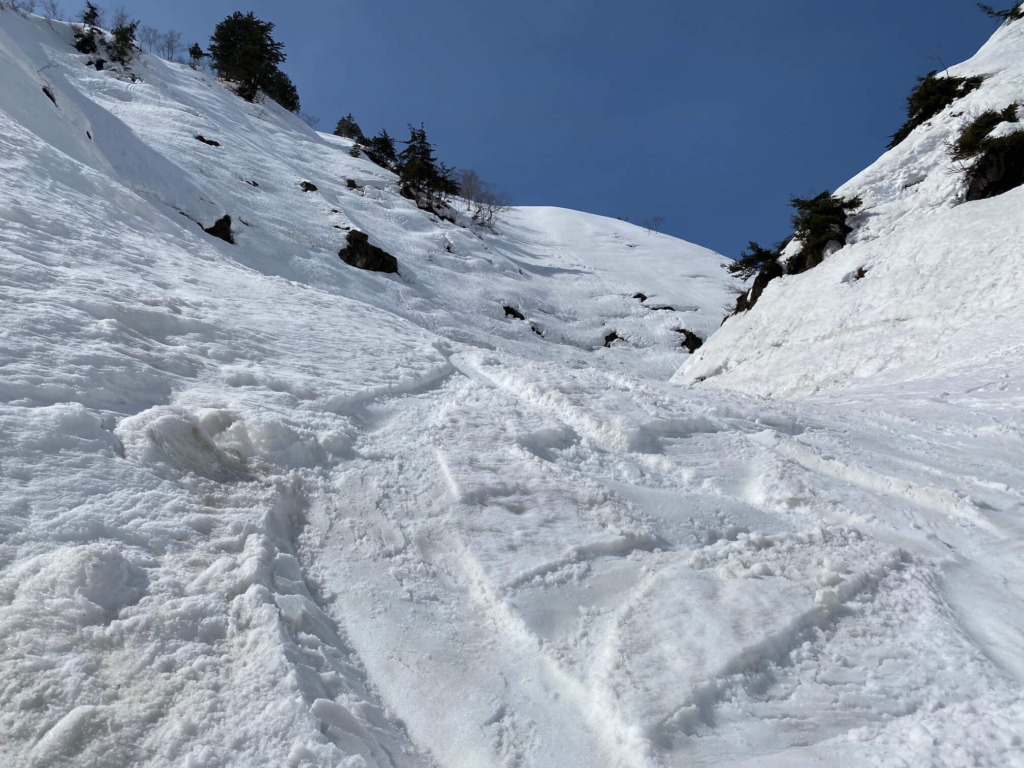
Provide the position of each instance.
(941, 279)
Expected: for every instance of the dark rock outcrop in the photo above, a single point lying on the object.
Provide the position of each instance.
(640, 297)
(691, 340)
(221, 229)
(361, 255)
(768, 272)
(513, 312)
(49, 94)
(999, 169)
(211, 142)
(610, 338)
(308, 186)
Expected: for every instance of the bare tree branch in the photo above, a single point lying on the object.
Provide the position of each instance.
(52, 10)
(148, 36)
(654, 223)
(169, 45)
(120, 18)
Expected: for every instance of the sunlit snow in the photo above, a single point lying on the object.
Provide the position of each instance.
(260, 508)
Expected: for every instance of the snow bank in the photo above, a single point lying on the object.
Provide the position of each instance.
(941, 284)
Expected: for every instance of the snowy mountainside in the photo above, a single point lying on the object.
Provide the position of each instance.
(261, 508)
(144, 133)
(942, 278)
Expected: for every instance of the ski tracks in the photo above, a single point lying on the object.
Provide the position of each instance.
(544, 567)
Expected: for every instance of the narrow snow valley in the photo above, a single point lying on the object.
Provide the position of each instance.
(261, 508)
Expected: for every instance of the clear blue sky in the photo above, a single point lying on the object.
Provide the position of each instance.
(708, 114)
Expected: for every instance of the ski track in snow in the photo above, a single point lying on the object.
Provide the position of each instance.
(261, 509)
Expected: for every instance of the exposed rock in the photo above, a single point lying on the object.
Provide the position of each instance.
(768, 272)
(665, 308)
(691, 340)
(641, 297)
(308, 186)
(211, 142)
(351, 184)
(49, 94)
(252, 183)
(221, 229)
(537, 331)
(361, 255)
(999, 169)
(513, 312)
(611, 337)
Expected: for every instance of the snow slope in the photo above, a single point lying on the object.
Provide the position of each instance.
(260, 508)
(943, 278)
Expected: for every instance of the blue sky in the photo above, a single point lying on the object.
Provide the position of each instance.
(710, 115)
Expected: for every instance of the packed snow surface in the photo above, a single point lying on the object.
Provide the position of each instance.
(260, 508)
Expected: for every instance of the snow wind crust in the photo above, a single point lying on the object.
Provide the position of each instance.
(263, 509)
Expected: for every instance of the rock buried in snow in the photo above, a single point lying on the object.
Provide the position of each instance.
(610, 338)
(211, 142)
(640, 297)
(513, 312)
(361, 255)
(221, 229)
(308, 186)
(691, 340)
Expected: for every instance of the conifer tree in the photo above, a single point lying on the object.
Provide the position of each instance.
(417, 166)
(752, 260)
(348, 128)
(419, 172)
(281, 89)
(381, 150)
(91, 15)
(85, 38)
(1010, 14)
(195, 56)
(818, 221)
(929, 97)
(242, 50)
(123, 49)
